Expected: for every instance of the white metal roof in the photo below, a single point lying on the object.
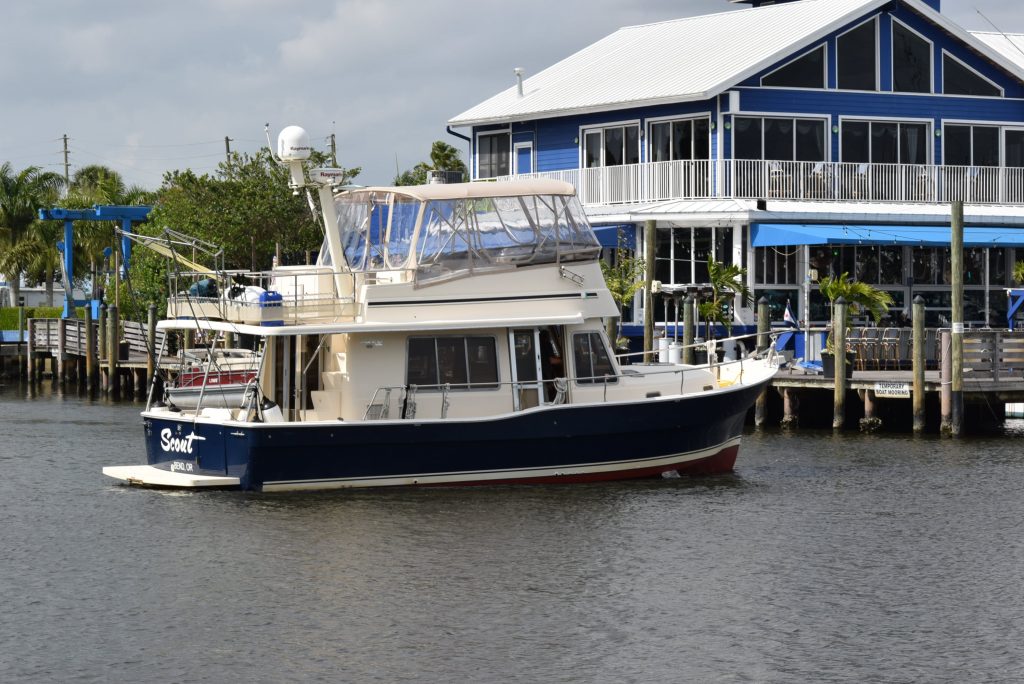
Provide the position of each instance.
(1009, 45)
(688, 59)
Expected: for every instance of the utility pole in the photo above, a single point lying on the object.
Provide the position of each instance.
(227, 150)
(67, 166)
(334, 152)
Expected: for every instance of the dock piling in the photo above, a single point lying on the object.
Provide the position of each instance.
(113, 384)
(839, 354)
(763, 323)
(918, 363)
(688, 329)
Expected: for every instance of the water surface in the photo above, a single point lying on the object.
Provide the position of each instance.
(823, 559)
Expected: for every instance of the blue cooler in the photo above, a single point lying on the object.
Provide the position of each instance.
(271, 308)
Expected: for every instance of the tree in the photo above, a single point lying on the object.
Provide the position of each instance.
(246, 208)
(860, 297)
(443, 157)
(92, 185)
(22, 194)
(727, 282)
(1018, 272)
(622, 279)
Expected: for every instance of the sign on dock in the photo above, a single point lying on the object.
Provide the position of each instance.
(892, 390)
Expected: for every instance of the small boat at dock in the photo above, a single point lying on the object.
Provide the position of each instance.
(447, 335)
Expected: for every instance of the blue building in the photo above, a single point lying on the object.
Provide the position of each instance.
(797, 139)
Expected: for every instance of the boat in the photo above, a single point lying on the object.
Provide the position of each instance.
(220, 382)
(448, 334)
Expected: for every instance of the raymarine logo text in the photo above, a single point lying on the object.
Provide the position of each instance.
(181, 445)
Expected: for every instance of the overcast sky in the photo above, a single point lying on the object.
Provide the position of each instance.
(144, 87)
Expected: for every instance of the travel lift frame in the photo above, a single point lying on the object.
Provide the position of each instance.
(127, 215)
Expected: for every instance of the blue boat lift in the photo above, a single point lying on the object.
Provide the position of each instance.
(127, 215)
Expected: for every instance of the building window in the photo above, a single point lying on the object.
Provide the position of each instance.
(911, 61)
(611, 146)
(593, 362)
(803, 72)
(775, 265)
(857, 58)
(884, 142)
(960, 79)
(681, 254)
(778, 139)
(966, 145)
(494, 154)
(681, 140)
(463, 362)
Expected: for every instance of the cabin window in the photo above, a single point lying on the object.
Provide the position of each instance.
(494, 154)
(611, 146)
(857, 58)
(911, 61)
(593, 363)
(971, 145)
(884, 142)
(779, 139)
(681, 140)
(960, 79)
(464, 362)
(804, 72)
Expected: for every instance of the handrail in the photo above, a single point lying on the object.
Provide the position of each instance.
(445, 389)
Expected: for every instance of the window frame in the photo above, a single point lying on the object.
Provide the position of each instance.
(965, 65)
(1000, 126)
(593, 380)
(878, 65)
(892, 59)
(824, 70)
(438, 386)
(476, 157)
(929, 133)
(601, 128)
(825, 119)
(648, 138)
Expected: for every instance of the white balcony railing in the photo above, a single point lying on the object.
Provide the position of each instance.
(824, 181)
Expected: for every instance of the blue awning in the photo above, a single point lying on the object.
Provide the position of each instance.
(787, 234)
(608, 236)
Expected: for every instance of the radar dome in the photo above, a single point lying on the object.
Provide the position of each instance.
(293, 144)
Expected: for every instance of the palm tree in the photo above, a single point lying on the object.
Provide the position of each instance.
(622, 280)
(860, 297)
(22, 194)
(1018, 272)
(727, 282)
(92, 185)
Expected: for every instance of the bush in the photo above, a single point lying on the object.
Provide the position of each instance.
(9, 315)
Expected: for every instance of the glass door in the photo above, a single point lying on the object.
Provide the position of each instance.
(526, 373)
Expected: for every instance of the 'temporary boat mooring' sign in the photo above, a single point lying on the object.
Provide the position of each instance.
(892, 390)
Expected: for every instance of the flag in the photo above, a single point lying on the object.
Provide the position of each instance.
(788, 318)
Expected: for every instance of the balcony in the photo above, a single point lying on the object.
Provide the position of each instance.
(786, 180)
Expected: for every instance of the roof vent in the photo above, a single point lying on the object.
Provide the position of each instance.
(518, 71)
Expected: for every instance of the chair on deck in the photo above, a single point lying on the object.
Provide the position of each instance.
(870, 344)
(890, 347)
(854, 346)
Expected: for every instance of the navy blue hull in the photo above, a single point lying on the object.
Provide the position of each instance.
(566, 443)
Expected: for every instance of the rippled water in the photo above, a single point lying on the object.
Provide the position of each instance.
(823, 559)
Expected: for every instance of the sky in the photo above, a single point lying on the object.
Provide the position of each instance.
(145, 87)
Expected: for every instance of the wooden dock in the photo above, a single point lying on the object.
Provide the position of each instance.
(993, 376)
(112, 356)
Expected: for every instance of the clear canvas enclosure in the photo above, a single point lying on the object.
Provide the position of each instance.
(439, 235)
